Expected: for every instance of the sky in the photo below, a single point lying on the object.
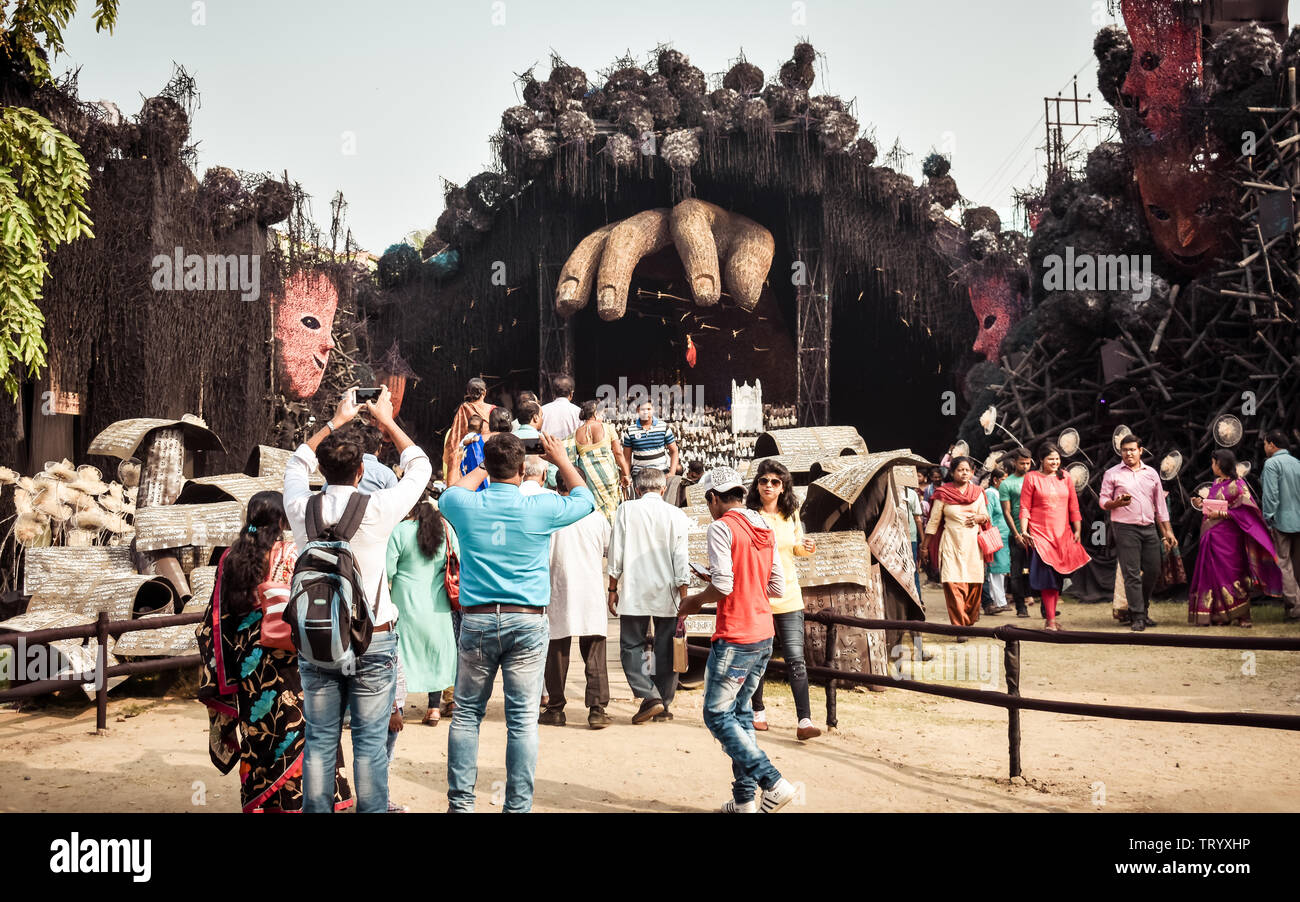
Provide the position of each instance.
(383, 100)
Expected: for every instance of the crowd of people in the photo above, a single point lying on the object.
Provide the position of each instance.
(547, 521)
(1020, 534)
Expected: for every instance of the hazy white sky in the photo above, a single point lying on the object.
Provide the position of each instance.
(421, 85)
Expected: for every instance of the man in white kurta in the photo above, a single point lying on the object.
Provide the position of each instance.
(577, 608)
(648, 576)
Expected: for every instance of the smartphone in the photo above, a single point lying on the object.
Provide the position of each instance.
(368, 394)
(701, 572)
(533, 445)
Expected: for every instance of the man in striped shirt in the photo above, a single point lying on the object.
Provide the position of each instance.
(649, 443)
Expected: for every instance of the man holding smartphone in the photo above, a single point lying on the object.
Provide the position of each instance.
(1132, 492)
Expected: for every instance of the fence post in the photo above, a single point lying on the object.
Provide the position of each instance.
(828, 657)
(101, 674)
(1011, 661)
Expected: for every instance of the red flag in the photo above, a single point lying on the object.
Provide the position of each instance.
(690, 352)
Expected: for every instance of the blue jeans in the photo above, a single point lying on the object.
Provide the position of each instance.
(368, 693)
(516, 644)
(731, 676)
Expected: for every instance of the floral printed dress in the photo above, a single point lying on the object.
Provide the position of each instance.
(254, 700)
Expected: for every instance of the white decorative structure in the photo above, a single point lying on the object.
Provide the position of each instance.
(746, 407)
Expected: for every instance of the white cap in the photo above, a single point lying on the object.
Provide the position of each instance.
(722, 479)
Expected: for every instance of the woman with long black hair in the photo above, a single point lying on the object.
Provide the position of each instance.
(772, 495)
(253, 691)
(1051, 529)
(417, 569)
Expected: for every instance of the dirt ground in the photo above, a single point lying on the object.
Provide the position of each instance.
(893, 751)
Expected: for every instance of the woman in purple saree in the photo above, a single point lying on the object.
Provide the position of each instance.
(1236, 553)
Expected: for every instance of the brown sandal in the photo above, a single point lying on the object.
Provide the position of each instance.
(431, 718)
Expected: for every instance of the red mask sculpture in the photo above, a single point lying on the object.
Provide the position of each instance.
(1187, 203)
(304, 324)
(1166, 67)
(997, 306)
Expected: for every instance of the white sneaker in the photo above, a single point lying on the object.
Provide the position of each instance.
(731, 806)
(777, 797)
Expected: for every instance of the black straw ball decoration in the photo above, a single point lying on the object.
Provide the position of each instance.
(822, 105)
(943, 190)
(1291, 50)
(539, 145)
(744, 78)
(680, 148)
(1243, 55)
(532, 88)
(1088, 212)
(755, 115)
(804, 52)
(396, 264)
(936, 165)
(688, 80)
(726, 101)
(456, 197)
(628, 78)
(864, 151)
(571, 81)
(433, 245)
(983, 244)
(636, 120)
(1114, 52)
(663, 106)
(977, 218)
(670, 61)
(549, 98)
(273, 200)
(221, 187)
(716, 123)
(693, 107)
(838, 131)
(519, 120)
(448, 226)
(796, 76)
(575, 125)
(596, 104)
(781, 100)
(1110, 172)
(164, 126)
(622, 151)
(487, 191)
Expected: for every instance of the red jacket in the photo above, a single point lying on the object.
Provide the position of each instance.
(745, 615)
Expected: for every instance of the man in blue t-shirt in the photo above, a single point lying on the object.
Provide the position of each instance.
(505, 586)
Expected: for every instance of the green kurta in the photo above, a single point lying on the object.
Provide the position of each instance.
(424, 636)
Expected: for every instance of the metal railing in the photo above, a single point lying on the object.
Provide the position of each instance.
(100, 630)
(1012, 700)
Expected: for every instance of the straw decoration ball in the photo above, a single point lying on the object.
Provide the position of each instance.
(621, 151)
(538, 145)
(575, 125)
(680, 148)
(744, 78)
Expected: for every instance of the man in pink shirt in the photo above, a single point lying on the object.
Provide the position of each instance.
(1132, 492)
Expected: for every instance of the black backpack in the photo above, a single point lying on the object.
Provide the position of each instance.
(329, 619)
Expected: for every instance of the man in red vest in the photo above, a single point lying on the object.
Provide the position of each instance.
(744, 572)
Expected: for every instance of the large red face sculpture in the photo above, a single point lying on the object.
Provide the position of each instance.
(997, 304)
(1166, 67)
(304, 323)
(1187, 203)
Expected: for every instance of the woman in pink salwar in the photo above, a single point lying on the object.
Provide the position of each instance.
(1050, 527)
(1236, 553)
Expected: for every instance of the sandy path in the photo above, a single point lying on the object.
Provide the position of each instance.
(894, 751)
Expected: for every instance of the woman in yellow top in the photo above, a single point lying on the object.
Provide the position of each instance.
(772, 495)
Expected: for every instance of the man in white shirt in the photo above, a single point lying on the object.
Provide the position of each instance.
(648, 576)
(577, 608)
(369, 687)
(534, 476)
(560, 417)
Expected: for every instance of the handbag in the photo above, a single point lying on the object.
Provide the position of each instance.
(990, 541)
(451, 574)
(681, 659)
(272, 599)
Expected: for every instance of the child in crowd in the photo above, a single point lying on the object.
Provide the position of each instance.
(473, 444)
